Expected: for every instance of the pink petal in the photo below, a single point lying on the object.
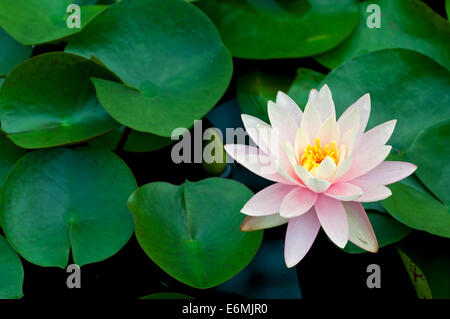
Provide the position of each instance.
(389, 172)
(371, 192)
(365, 162)
(281, 120)
(300, 235)
(297, 202)
(311, 121)
(267, 201)
(377, 136)
(363, 104)
(252, 223)
(344, 192)
(360, 229)
(283, 100)
(256, 162)
(251, 124)
(333, 218)
(324, 102)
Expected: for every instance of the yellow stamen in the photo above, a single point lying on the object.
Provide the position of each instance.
(315, 154)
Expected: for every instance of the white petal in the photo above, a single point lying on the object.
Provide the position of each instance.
(283, 100)
(317, 185)
(311, 121)
(325, 104)
(326, 169)
(251, 123)
(329, 131)
(377, 136)
(302, 140)
(282, 121)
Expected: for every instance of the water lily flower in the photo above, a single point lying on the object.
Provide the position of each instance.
(323, 169)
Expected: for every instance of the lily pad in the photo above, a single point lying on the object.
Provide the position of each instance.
(49, 101)
(175, 68)
(11, 272)
(407, 24)
(406, 92)
(414, 206)
(136, 141)
(305, 80)
(11, 53)
(387, 231)
(192, 231)
(39, 21)
(9, 155)
(281, 29)
(61, 200)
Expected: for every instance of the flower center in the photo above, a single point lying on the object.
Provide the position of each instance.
(313, 155)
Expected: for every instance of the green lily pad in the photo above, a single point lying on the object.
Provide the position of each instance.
(61, 200)
(403, 85)
(281, 29)
(174, 66)
(9, 155)
(413, 205)
(256, 88)
(406, 24)
(11, 272)
(39, 21)
(192, 231)
(447, 8)
(430, 152)
(49, 101)
(387, 231)
(427, 262)
(11, 53)
(166, 295)
(136, 141)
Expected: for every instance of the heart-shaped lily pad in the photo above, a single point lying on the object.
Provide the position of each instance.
(407, 24)
(11, 272)
(61, 200)
(406, 92)
(192, 231)
(49, 101)
(387, 231)
(280, 29)
(174, 65)
(38, 21)
(11, 53)
(414, 206)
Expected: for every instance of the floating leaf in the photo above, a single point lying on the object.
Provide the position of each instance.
(281, 29)
(412, 205)
(192, 231)
(136, 141)
(49, 101)
(430, 152)
(406, 24)
(39, 21)
(387, 231)
(11, 53)
(9, 154)
(11, 272)
(175, 68)
(417, 277)
(61, 200)
(403, 85)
